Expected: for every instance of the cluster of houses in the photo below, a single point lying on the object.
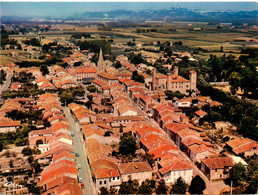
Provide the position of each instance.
(59, 175)
(17, 104)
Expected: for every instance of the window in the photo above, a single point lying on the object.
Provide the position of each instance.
(117, 177)
(114, 178)
(216, 170)
(105, 182)
(100, 182)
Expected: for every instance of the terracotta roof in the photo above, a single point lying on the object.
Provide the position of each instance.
(105, 173)
(107, 76)
(6, 122)
(64, 154)
(41, 132)
(134, 167)
(215, 103)
(85, 70)
(125, 108)
(200, 113)
(174, 165)
(219, 162)
(200, 148)
(166, 148)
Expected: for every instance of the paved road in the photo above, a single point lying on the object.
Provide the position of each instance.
(6, 84)
(79, 148)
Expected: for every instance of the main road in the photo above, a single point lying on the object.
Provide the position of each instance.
(81, 160)
(6, 85)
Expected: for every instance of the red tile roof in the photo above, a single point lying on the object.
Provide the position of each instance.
(200, 113)
(219, 162)
(6, 122)
(175, 165)
(105, 173)
(134, 167)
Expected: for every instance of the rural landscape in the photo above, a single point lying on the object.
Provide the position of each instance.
(128, 98)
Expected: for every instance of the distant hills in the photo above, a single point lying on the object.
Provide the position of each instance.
(173, 14)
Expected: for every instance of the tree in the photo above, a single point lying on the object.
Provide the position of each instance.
(138, 78)
(197, 185)
(9, 179)
(234, 80)
(145, 188)
(252, 177)
(130, 187)
(237, 174)
(2, 76)
(1, 146)
(108, 133)
(26, 151)
(121, 128)
(180, 187)
(127, 144)
(44, 69)
(92, 88)
(67, 97)
(149, 157)
(89, 102)
(117, 65)
(162, 188)
(103, 191)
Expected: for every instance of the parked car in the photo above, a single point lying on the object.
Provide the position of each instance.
(80, 180)
(79, 166)
(77, 154)
(82, 185)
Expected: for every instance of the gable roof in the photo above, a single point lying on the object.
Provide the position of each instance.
(134, 167)
(219, 162)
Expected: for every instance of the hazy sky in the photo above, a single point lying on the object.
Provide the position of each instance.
(61, 9)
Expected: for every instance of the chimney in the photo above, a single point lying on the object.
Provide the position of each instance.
(169, 83)
(175, 71)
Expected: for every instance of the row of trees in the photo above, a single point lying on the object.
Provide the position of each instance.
(149, 187)
(32, 41)
(95, 45)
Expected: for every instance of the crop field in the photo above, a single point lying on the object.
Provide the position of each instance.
(209, 38)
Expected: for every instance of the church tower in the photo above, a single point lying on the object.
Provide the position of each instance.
(100, 61)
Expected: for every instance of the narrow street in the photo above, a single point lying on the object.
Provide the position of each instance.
(84, 171)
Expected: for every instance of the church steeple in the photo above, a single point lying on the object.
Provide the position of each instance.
(100, 61)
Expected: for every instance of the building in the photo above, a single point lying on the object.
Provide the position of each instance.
(139, 171)
(8, 125)
(216, 168)
(102, 65)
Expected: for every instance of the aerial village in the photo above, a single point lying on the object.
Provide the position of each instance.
(94, 128)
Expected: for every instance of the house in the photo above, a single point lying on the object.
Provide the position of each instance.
(109, 79)
(216, 168)
(200, 113)
(242, 147)
(83, 74)
(8, 125)
(199, 152)
(139, 171)
(174, 167)
(126, 110)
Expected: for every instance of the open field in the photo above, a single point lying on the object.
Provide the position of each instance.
(209, 38)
